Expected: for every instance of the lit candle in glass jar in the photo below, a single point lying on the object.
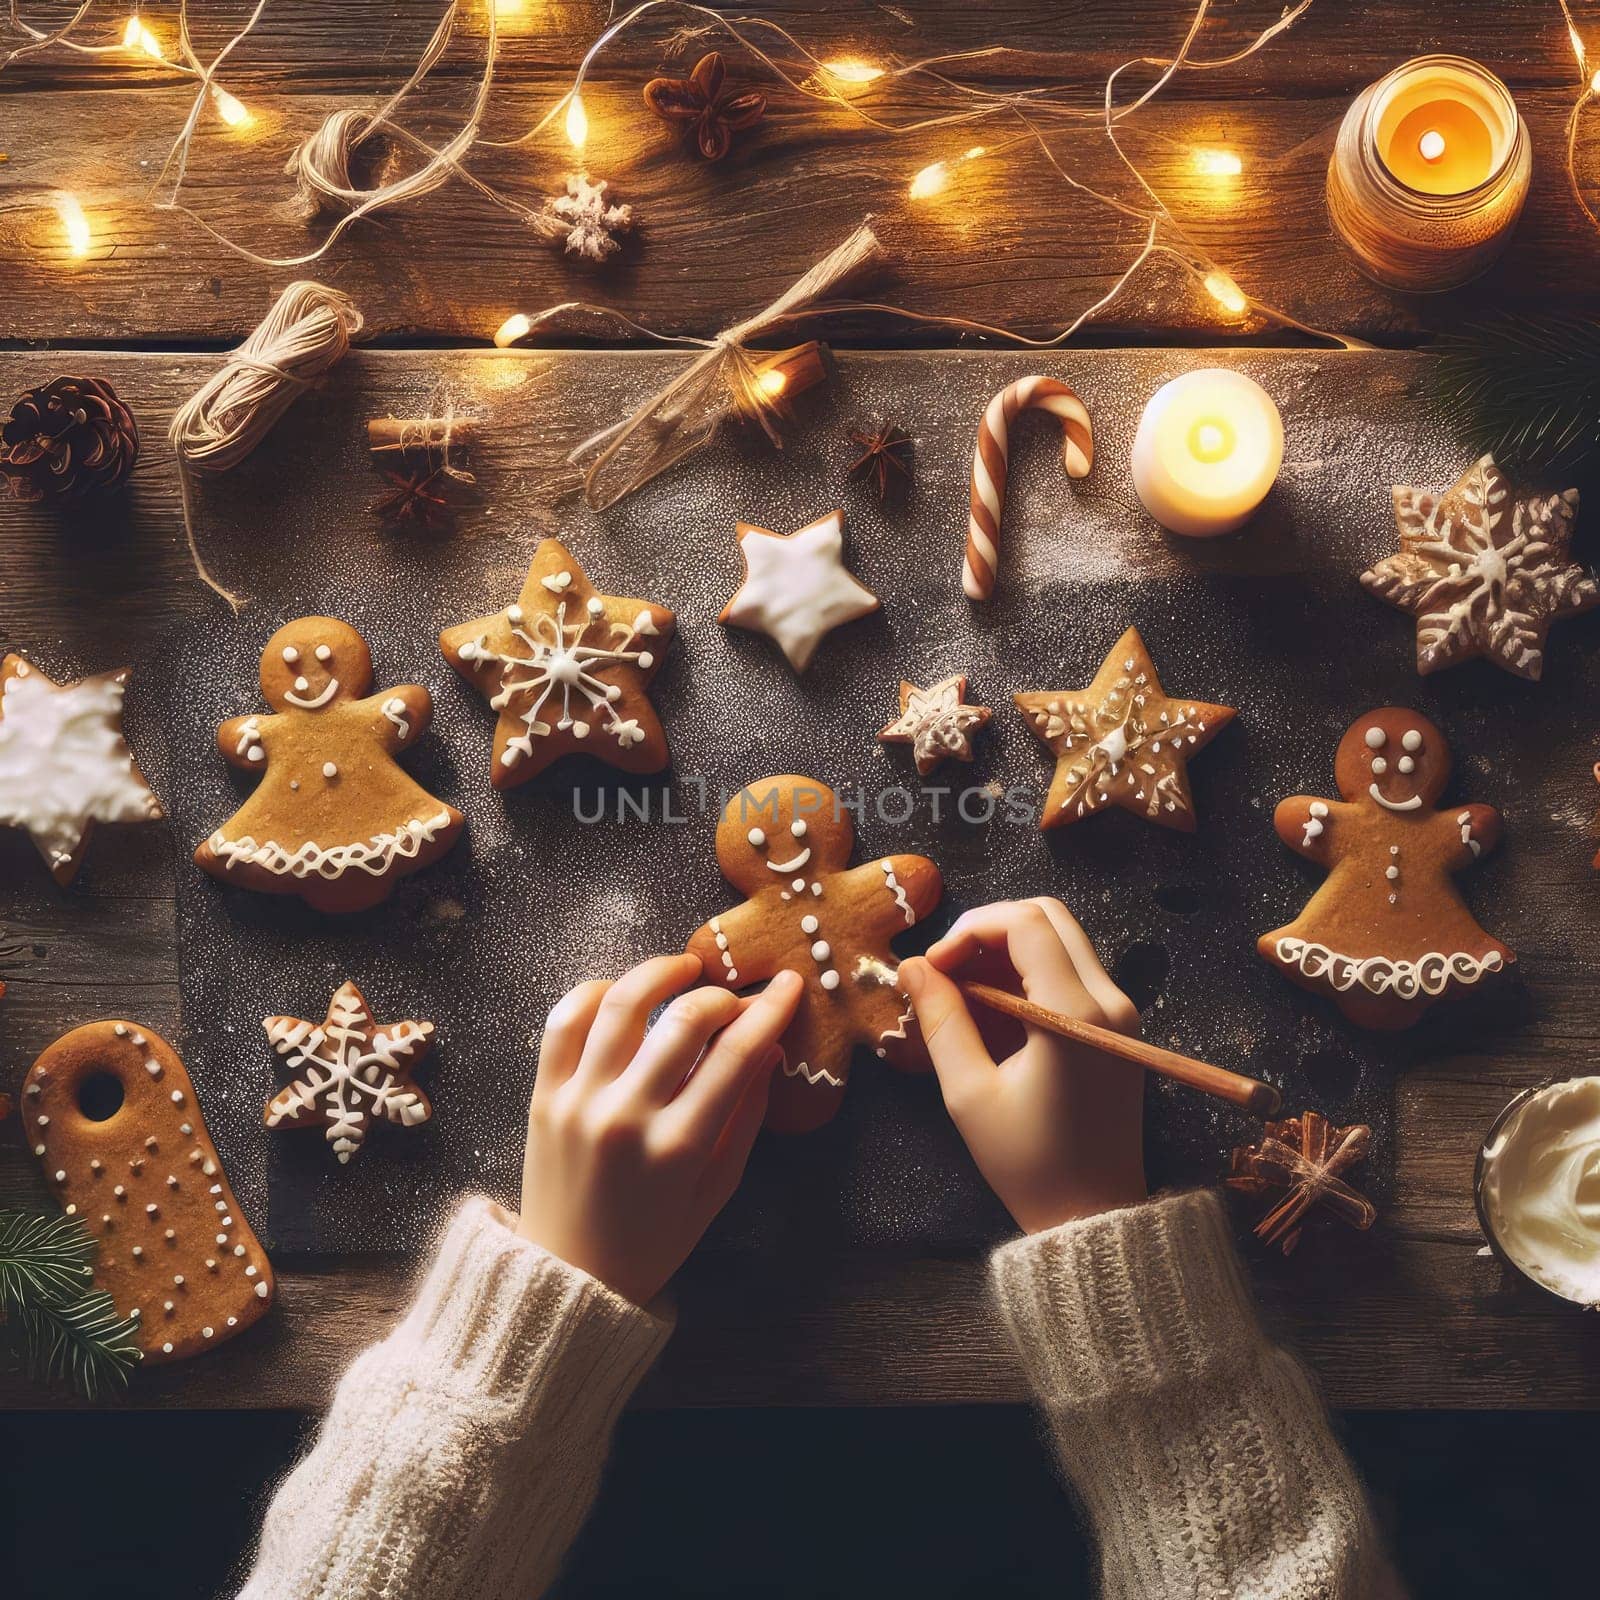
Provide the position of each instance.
(1207, 450)
(1429, 173)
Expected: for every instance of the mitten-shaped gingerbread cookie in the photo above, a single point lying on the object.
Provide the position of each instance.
(786, 842)
(1388, 934)
(112, 1116)
(336, 819)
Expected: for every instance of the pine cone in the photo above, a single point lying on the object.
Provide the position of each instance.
(68, 438)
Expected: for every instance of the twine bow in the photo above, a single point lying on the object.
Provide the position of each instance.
(1304, 1156)
(725, 378)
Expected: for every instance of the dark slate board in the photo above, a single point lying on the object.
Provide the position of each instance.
(1271, 621)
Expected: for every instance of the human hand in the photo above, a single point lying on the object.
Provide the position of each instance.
(636, 1140)
(1054, 1127)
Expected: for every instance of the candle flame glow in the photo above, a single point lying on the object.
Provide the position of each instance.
(517, 326)
(1217, 164)
(1221, 287)
(135, 36)
(1431, 145)
(230, 108)
(577, 120)
(73, 221)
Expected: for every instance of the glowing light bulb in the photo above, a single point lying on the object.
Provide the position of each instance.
(135, 36)
(73, 221)
(849, 70)
(1225, 291)
(509, 8)
(1594, 84)
(930, 181)
(577, 120)
(772, 382)
(1211, 440)
(1217, 164)
(513, 328)
(230, 108)
(1431, 145)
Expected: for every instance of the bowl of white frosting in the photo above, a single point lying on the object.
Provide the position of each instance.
(1538, 1187)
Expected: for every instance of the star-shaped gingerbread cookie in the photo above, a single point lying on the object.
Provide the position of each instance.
(568, 669)
(1484, 570)
(796, 588)
(1121, 741)
(64, 763)
(350, 1072)
(936, 722)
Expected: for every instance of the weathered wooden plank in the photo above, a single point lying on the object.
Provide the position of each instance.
(1007, 244)
(1411, 1316)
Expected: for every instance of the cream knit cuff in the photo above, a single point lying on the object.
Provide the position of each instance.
(498, 1316)
(1128, 1302)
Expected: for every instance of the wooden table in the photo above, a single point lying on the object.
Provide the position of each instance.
(1427, 1321)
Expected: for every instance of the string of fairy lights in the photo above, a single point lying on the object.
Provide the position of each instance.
(854, 83)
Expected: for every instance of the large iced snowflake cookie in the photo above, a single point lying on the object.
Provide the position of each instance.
(1388, 934)
(349, 1072)
(785, 842)
(1484, 570)
(1121, 741)
(567, 668)
(335, 818)
(64, 764)
(112, 1117)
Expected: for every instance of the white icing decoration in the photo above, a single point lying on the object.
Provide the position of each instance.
(290, 655)
(798, 828)
(317, 701)
(557, 657)
(1430, 974)
(1464, 822)
(350, 1072)
(63, 761)
(938, 722)
(793, 864)
(1379, 765)
(800, 1070)
(1406, 765)
(375, 855)
(249, 745)
(323, 653)
(892, 884)
(808, 924)
(1394, 805)
(1412, 742)
(1376, 738)
(756, 837)
(1313, 828)
(394, 708)
(829, 979)
(796, 588)
(557, 583)
(730, 971)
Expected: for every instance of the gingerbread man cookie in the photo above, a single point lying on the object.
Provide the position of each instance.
(64, 764)
(567, 668)
(336, 819)
(113, 1119)
(350, 1071)
(785, 842)
(1388, 934)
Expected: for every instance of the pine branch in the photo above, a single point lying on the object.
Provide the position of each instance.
(1526, 388)
(83, 1341)
(43, 1260)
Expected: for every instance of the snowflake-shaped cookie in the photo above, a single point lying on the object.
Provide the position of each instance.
(1121, 741)
(1483, 570)
(592, 221)
(936, 722)
(350, 1072)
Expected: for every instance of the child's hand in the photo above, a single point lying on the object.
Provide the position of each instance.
(1054, 1127)
(635, 1140)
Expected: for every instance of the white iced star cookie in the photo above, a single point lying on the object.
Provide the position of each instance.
(64, 763)
(796, 588)
(936, 722)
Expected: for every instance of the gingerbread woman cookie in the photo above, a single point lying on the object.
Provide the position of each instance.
(112, 1116)
(64, 764)
(567, 668)
(336, 820)
(1388, 934)
(785, 842)
(350, 1071)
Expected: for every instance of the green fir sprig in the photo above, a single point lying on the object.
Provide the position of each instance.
(1526, 388)
(64, 1328)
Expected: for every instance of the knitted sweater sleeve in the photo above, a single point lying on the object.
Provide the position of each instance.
(461, 1454)
(1202, 1457)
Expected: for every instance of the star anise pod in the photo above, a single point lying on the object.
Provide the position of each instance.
(419, 496)
(705, 104)
(885, 460)
(1303, 1156)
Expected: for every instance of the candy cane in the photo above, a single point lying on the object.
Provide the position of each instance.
(989, 467)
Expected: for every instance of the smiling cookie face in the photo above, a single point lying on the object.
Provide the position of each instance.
(780, 828)
(1395, 758)
(312, 662)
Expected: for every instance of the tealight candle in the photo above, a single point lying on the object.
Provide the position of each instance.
(1429, 173)
(1207, 450)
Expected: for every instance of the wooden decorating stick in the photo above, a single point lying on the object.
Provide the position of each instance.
(1248, 1094)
